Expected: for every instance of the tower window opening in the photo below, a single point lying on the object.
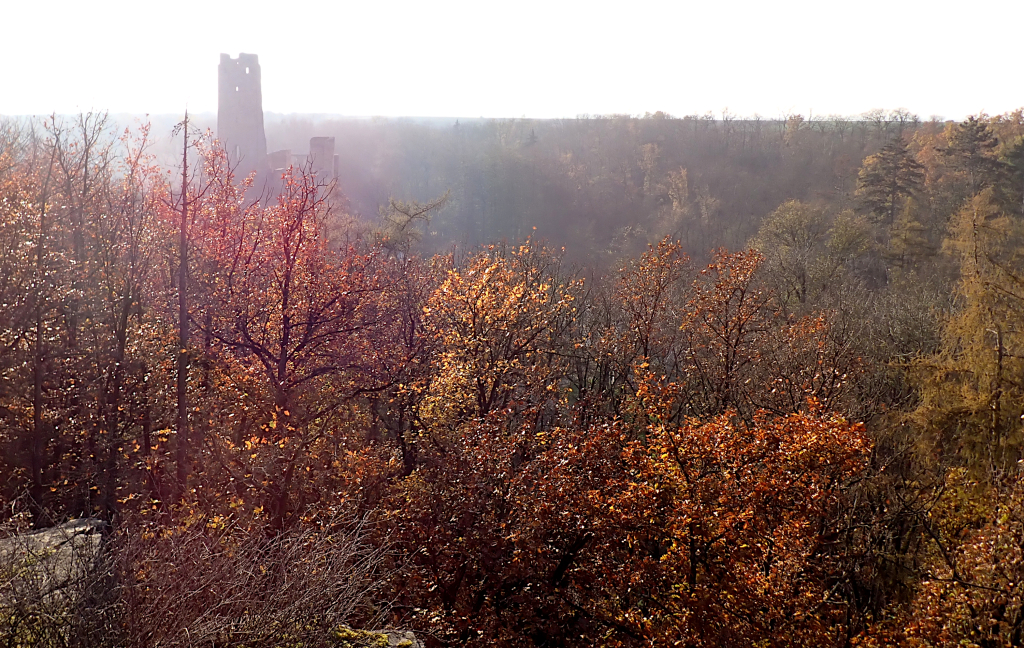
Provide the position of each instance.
(236, 88)
(247, 70)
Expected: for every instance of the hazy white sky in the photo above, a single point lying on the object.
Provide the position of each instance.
(547, 58)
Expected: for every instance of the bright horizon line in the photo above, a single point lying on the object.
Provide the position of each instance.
(717, 116)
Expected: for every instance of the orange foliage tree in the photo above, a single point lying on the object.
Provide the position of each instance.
(722, 338)
(531, 518)
(732, 524)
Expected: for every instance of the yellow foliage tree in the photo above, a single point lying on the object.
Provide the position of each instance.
(971, 392)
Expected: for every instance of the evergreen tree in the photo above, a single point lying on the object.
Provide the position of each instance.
(1013, 188)
(887, 179)
(971, 151)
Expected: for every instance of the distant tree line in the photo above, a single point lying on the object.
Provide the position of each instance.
(605, 187)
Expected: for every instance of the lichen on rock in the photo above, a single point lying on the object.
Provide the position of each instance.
(345, 637)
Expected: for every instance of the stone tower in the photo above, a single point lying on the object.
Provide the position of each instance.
(322, 158)
(240, 113)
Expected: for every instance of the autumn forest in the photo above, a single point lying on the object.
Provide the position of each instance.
(609, 381)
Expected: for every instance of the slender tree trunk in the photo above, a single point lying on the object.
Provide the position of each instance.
(111, 410)
(181, 455)
(995, 406)
(37, 446)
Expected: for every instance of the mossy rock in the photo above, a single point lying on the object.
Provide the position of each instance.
(345, 637)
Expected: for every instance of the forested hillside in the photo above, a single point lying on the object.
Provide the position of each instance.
(610, 381)
(608, 186)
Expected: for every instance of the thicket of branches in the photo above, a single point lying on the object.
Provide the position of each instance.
(814, 441)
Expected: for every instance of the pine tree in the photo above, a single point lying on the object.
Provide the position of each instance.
(887, 179)
(971, 150)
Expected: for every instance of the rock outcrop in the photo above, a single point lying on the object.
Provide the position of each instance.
(45, 563)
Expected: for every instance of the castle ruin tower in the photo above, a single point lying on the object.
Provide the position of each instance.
(240, 113)
(322, 158)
